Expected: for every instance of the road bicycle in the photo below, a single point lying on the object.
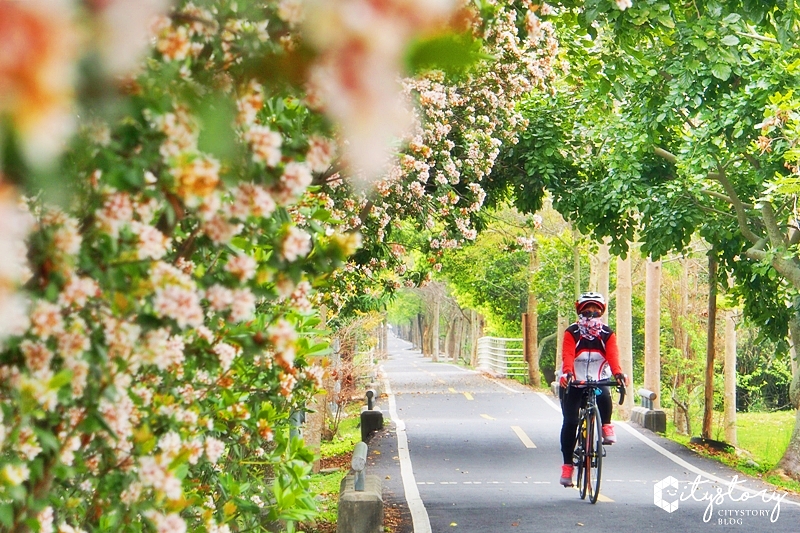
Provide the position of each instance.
(589, 450)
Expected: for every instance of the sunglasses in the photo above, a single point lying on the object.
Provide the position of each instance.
(591, 314)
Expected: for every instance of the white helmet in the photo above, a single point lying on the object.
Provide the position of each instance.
(590, 297)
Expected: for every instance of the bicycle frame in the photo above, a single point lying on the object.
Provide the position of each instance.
(589, 449)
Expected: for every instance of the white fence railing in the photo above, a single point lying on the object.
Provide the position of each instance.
(503, 357)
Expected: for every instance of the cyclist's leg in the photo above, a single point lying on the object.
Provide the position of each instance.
(605, 404)
(570, 406)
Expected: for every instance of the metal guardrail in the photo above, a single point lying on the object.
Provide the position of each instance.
(502, 356)
(648, 397)
(358, 463)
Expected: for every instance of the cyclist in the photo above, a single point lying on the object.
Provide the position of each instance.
(589, 353)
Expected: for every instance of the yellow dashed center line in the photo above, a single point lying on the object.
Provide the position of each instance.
(523, 437)
(468, 396)
(487, 417)
(452, 389)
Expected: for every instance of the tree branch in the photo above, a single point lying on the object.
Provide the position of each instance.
(776, 236)
(738, 205)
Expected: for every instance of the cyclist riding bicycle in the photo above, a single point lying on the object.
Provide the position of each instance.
(589, 353)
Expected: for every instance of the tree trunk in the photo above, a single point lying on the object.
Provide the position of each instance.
(475, 330)
(416, 335)
(603, 268)
(448, 340)
(730, 378)
(426, 336)
(463, 336)
(532, 337)
(435, 332)
(652, 330)
(794, 340)
(624, 328)
(681, 411)
(563, 322)
(315, 416)
(576, 262)
(711, 341)
(789, 465)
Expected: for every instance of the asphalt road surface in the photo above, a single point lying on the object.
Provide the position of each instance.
(463, 452)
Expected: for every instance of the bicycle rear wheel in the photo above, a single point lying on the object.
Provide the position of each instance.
(580, 456)
(594, 455)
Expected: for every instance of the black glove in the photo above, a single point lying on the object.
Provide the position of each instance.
(621, 379)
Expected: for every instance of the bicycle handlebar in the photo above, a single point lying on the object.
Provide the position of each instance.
(601, 383)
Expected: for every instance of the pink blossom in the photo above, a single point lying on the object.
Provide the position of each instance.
(282, 335)
(320, 153)
(152, 243)
(37, 355)
(243, 306)
(219, 297)
(77, 291)
(266, 145)
(214, 449)
(180, 304)
(226, 354)
(242, 266)
(80, 374)
(174, 43)
(27, 445)
(67, 238)
(117, 212)
(120, 415)
(296, 244)
(45, 518)
(220, 230)
(46, 319)
(170, 443)
(169, 523)
(295, 179)
(251, 200)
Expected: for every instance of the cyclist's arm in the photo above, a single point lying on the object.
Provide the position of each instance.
(568, 354)
(612, 354)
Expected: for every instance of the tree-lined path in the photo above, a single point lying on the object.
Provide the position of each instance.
(484, 456)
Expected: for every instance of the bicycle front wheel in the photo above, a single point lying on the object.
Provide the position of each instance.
(594, 455)
(580, 456)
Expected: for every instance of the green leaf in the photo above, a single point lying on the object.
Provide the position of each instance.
(452, 53)
(730, 40)
(666, 21)
(60, 379)
(6, 515)
(721, 71)
(733, 18)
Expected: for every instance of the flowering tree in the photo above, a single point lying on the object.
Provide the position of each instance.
(190, 222)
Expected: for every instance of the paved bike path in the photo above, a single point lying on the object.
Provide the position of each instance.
(472, 454)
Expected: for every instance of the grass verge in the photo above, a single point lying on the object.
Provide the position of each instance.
(335, 457)
(762, 439)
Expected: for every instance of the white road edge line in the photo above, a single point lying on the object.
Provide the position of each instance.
(677, 460)
(499, 384)
(419, 515)
(549, 402)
